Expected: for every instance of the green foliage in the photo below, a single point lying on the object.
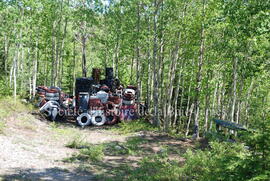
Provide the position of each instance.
(4, 89)
(93, 153)
(221, 162)
(257, 165)
(155, 168)
(77, 143)
(8, 106)
(122, 35)
(134, 126)
(87, 152)
(131, 147)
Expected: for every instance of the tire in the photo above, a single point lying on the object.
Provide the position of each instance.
(128, 102)
(110, 106)
(114, 99)
(55, 88)
(50, 109)
(48, 94)
(98, 118)
(52, 98)
(84, 119)
(111, 119)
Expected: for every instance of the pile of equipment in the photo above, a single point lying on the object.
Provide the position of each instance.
(96, 102)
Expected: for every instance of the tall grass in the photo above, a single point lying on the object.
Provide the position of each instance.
(10, 107)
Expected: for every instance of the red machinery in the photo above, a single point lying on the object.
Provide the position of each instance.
(96, 101)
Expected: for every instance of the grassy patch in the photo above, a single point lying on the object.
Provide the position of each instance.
(9, 107)
(93, 153)
(8, 104)
(77, 143)
(88, 153)
(2, 126)
(130, 147)
(27, 122)
(154, 168)
(60, 131)
(15, 108)
(134, 126)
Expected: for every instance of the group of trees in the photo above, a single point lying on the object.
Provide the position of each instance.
(191, 60)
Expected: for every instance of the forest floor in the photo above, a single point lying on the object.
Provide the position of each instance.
(33, 148)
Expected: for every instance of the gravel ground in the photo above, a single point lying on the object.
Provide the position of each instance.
(32, 149)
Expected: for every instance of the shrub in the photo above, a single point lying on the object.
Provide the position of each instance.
(87, 152)
(223, 161)
(93, 153)
(220, 162)
(156, 168)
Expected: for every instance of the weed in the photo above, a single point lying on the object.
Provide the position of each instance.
(60, 131)
(9, 104)
(77, 143)
(87, 152)
(134, 126)
(130, 147)
(93, 153)
(156, 167)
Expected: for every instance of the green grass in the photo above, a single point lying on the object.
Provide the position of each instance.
(62, 132)
(155, 168)
(134, 126)
(77, 143)
(131, 147)
(10, 107)
(93, 153)
(2, 126)
(88, 152)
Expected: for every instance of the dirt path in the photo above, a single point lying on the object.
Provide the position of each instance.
(32, 148)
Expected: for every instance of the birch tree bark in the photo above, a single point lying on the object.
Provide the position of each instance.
(155, 69)
(199, 77)
(234, 93)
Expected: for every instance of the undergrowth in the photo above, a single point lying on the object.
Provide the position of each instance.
(77, 143)
(62, 132)
(10, 107)
(155, 168)
(131, 147)
(220, 162)
(87, 152)
(134, 126)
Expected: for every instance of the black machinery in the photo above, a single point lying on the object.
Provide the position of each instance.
(95, 102)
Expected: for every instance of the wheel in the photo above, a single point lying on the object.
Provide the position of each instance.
(111, 119)
(97, 117)
(84, 119)
(49, 94)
